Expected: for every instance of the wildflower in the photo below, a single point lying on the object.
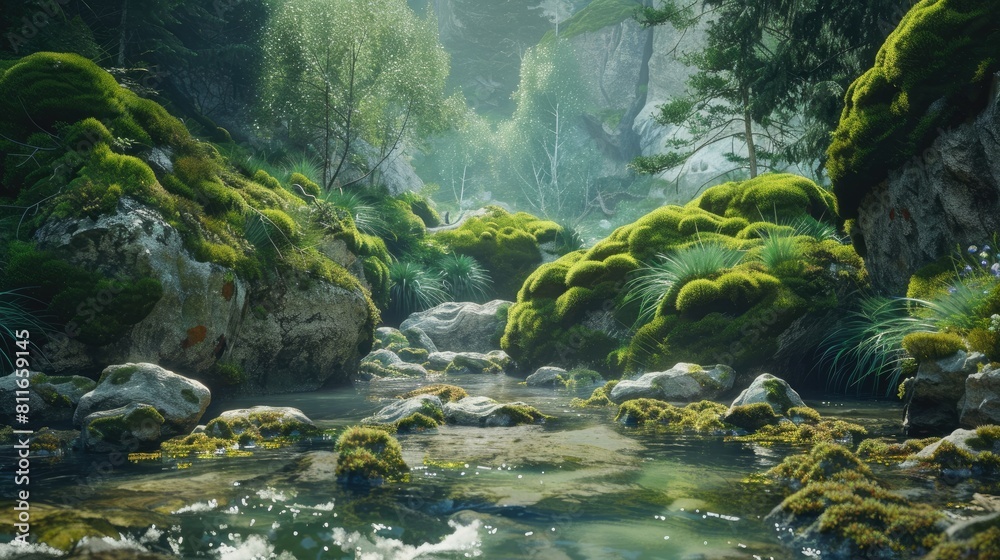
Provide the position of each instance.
(995, 269)
(984, 255)
(986, 247)
(967, 269)
(984, 263)
(973, 249)
(994, 323)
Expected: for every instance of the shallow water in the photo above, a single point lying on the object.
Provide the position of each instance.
(578, 487)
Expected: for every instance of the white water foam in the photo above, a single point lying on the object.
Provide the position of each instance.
(464, 539)
(255, 547)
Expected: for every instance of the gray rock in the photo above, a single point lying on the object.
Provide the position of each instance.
(181, 401)
(681, 383)
(946, 196)
(480, 411)
(960, 438)
(769, 389)
(417, 338)
(981, 402)
(544, 376)
(459, 327)
(385, 363)
(292, 334)
(50, 398)
(439, 361)
(428, 405)
(133, 427)
(281, 419)
(932, 406)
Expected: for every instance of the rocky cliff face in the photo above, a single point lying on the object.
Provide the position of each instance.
(949, 195)
(291, 333)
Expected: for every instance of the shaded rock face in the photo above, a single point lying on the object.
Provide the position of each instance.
(179, 400)
(459, 327)
(948, 195)
(981, 402)
(681, 383)
(135, 426)
(932, 405)
(291, 334)
(51, 399)
(769, 389)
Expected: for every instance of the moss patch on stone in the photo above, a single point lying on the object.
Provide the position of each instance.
(447, 393)
(925, 346)
(701, 417)
(933, 71)
(598, 398)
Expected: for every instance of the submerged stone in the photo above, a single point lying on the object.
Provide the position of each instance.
(681, 383)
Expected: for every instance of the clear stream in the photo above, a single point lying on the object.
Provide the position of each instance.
(578, 487)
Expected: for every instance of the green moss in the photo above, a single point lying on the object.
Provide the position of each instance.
(580, 376)
(413, 355)
(776, 394)
(924, 346)
(702, 417)
(261, 177)
(183, 446)
(189, 396)
(308, 186)
(522, 414)
(878, 450)
(228, 373)
(507, 245)
(980, 546)
(598, 398)
(803, 415)
(931, 280)
(422, 208)
(416, 422)
(447, 393)
(369, 455)
(115, 428)
(751, 417)
(932, 72)
(120, 375)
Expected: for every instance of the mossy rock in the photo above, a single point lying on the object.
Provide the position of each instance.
(751, 417)
(369, 456)
(447, 393)
(696, 318)
(598, 398)
(932, 72)
(701, 417)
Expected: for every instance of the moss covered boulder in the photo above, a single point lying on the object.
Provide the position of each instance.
(52, 399)
(681, 383)
(486, 412)
(507, 245)
(387, 364)
(180, 402)
(369, 456)
(261, 423)
(609, 306)
(145, 243)
(413, 413)
(934, 395)
(134, 427)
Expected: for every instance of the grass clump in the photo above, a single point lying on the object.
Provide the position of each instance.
(463, 278)
(368, 455)
(413, 288)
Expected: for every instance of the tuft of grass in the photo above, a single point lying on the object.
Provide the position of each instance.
(367, 217)
(464, 278)
(413, 288)
(779, 250)
(652, 283)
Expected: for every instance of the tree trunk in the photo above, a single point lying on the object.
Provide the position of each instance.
(751, 149)
(121, 35)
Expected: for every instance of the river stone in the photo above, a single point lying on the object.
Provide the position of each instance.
(960, 438)
(932, 406)
(417, 338)
(385, 363)
(133, 427)
(479, 411)
(547, 375)
(180, 400)
(51, 398)
(459, 326)
(475, 363)
(439, 361)
(402, 409)
(769, 389)
(282, 420)
(981, 402)
(681, 383)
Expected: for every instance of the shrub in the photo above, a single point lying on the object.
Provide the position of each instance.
(926, 346)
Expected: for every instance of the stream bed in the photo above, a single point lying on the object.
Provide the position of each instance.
(577, 487)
